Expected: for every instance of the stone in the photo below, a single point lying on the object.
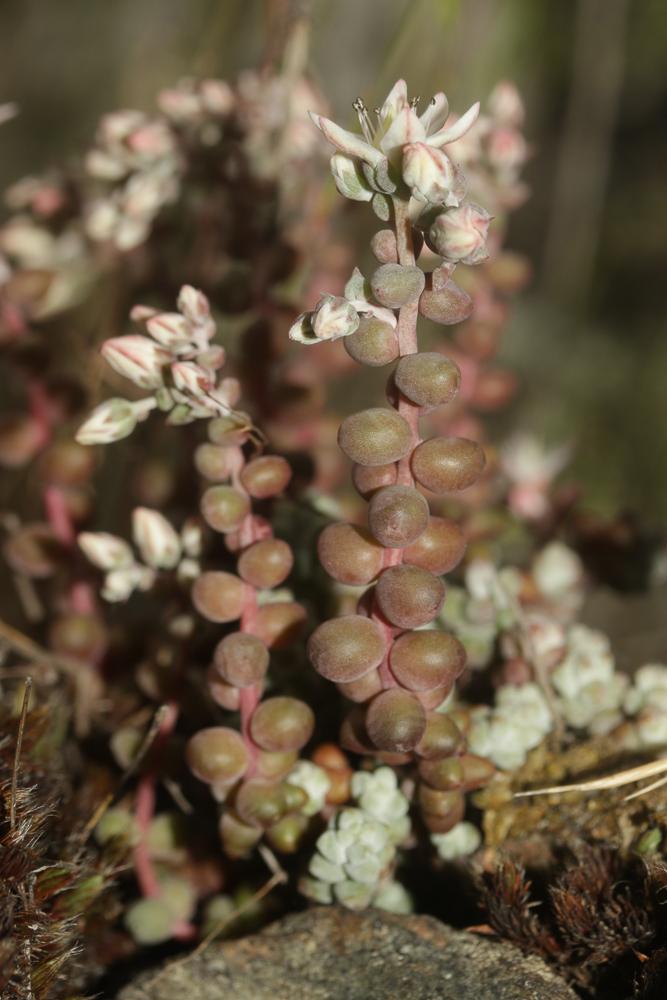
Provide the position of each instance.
(329, 953)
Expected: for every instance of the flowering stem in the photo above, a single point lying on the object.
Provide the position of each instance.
(144, 810)
(406, 329)
(407, 343)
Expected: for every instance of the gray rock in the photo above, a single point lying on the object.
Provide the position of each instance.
(329, 953)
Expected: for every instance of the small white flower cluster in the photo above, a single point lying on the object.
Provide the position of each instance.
(137, 158)
(495, 151)
(480, 610)
(461, 840)
(198, 104)
(646, 701)
(314, 781)
(338, 316)
(530, 468)
(176, 360)
(354, 857)
(590, 691)
(161, 548)
(516, 724)
(558, 574)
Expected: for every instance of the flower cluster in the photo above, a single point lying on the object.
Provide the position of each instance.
(136, 162)
(176, 360)
(494, 152)
(590, 690)
(354, 858)
(161, 548)
(517, 723)
(646, 703)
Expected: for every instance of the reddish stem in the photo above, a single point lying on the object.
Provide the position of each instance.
(144, 810)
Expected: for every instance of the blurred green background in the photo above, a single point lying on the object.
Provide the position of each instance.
(588, 338)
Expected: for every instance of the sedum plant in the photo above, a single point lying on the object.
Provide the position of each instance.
(383, 658)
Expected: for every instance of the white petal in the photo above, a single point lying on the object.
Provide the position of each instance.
(347, 142)
(406, 127)
(457, 130)
(395, 101)
(436, 113)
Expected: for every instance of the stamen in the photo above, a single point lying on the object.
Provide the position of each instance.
(364, 119)
(414, 103)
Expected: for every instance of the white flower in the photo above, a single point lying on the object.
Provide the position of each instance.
(105, 551)
(137, 358)
(378, 795)
(113, 420)
(431, 176)
(120, 583)
(557, 570)
(591, 692)
(462, 839)
(156, 539)
(314, 781)
(397, 124)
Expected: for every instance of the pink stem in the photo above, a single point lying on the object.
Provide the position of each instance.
(407, 344)
(144, 810)
(57, 513)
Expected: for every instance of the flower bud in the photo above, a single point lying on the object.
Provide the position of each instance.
(349, 179)
(459, 235)
(105, 551)
(137, 358)
(431, 175)
(191, 378)
(110, 421)
(505, 104)
(156, 539)
(171, 330)
(193, 304)
(334, 317)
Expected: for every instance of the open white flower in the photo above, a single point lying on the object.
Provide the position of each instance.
(397, 124)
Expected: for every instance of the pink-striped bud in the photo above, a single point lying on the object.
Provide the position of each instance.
(191, 379)
(110, 421)
(107, 552)
(505, 105)
(137, 358)
(156, 539)
(169, 329)
(431, 175)
(193, 304)
(459, 235)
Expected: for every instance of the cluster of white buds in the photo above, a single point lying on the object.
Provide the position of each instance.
(314, 781)
(516, 724)
(590, 690)
(136, 158)
(338, 316)
(530, 468)
(480, 610)
(160, 547)
(646, 701)
(495, 150)
(462, 840)
(28, 244)
(558, 574)
(355, 856)
(200, 104)
(176, 360)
